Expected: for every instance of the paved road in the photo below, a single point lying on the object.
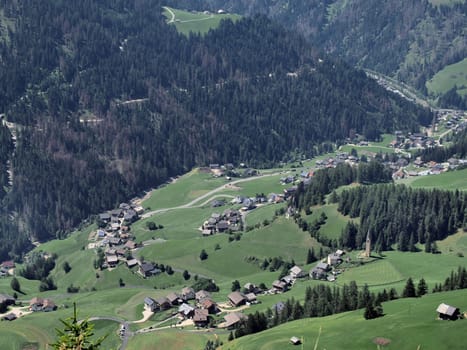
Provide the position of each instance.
(207, 196)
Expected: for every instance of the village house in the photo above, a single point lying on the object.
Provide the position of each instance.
(115, 241)
(201, 295)
(447, 312)
(174, 298)
(112, 260)
(7, 300)
(162, 304)
(186, 310)
(237, 298)
(150, 304)
(9, 317)
(8, 265)
(131, 245)
(251, 298)
(279, 286)
(148, 269)
(319, 271)
(210, 305)
(201, 317)
(334, 259)
(297, 272)
(295, 341)
(233, 319)
(131, 263)
(188, 293)
(40, 304)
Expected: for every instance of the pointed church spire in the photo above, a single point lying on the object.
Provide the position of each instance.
(368, 245)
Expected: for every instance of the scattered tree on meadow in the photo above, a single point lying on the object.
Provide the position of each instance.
(422, 287)
(235, 286)
(203, 255)
(409, 289)
(66, 267)
(15, 284)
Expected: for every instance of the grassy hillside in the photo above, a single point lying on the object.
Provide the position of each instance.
(196, 22)
(408, 324)
(180, 245)
(452, 180)
(281, 238)
(450, 76)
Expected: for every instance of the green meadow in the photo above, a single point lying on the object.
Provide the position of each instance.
(451, 180)
(408, 324)
(186, 188)
(179, 245)
(450, 76)
(280, 238)
(196, 22)
(335, 222)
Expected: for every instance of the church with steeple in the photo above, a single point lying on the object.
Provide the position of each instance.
(368, 245)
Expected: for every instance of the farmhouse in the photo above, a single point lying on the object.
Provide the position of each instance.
(317, 273)
(186, 310)
(150, 304)
(148, 269)
(279, 286)
(334, 259)
(162, 303)
(130, 245)
(251, 298)
(295, 341)
(10, 264)
(188, 293)
(173, 298)
(297, 272)
(232, 319)
(208, 304)
(112, 260)
(131, 262)
(447, 312)
(39, 304)
(237, 298)
(10, 317)
(201, 317)
(201, 295)
(6, 299)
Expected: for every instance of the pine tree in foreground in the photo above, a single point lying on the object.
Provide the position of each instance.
(76, 335)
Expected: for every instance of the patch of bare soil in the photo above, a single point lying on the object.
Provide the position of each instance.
(381, 341)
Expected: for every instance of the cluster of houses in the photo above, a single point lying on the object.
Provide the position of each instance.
(119, 219)
(35, 304)
(197, 306)
(230, 220)
(340, 158)
(200, 307)
(229, 170)
(6, 267)
(41, 304)
(324, 269)
(115, 237)
(452, 119)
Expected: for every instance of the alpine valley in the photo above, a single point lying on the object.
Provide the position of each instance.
(232, 174)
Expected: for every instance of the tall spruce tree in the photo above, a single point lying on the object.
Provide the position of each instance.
(409, 289)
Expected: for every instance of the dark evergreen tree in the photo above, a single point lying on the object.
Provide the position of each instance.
(409, 289)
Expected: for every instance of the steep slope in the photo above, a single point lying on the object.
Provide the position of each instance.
(410, 40)
(111, 100)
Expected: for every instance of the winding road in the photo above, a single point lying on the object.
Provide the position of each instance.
(208, 196)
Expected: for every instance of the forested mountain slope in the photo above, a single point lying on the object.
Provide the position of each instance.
(107, 100)
(410, 40)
